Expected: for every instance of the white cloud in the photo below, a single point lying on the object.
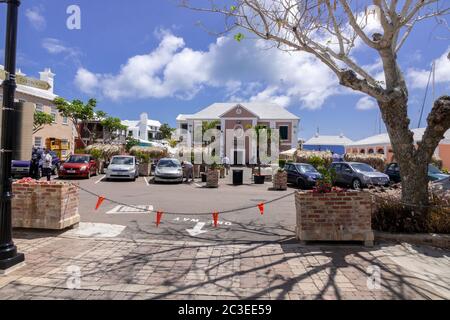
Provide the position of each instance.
(366, 103)
(86, 81)
(241, 69)
(54, 46)
(35, 17)
(418, 78)
(57, 47)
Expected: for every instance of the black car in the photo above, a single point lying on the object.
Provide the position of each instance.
(301, 174)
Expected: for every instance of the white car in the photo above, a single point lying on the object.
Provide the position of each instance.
(168, 169)
(123, 167)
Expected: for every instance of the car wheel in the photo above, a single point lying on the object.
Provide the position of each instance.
(356, 184)
(301, 183)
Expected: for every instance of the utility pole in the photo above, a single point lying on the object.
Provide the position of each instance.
(9, 256)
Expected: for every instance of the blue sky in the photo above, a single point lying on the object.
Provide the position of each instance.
(187, 68)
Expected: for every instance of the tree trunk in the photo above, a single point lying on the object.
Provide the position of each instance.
(413, 164)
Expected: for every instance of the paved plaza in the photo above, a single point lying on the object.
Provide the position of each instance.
(68, 267)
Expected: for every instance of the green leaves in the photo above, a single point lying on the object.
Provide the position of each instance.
(41, 119)
(239, 37)
(233, 8)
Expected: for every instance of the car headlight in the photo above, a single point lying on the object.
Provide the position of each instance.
(366, 178)
(83, 168)
(157, 171)
(310, 179)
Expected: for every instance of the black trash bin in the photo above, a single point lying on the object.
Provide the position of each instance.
(238, 177)
(203, 177)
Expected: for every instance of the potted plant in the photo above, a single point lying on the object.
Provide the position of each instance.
(280, 179)
(144, 163)
(212, 176)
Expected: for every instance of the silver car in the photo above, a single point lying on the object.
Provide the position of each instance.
(358, 175)
(122, 167)
(168, 170)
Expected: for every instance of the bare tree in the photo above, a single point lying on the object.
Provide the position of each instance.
(330, 30)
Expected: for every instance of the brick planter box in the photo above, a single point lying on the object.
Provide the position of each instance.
(212, 179)
(335, 216)
(280, 180)
(144, 169)
(45, 205)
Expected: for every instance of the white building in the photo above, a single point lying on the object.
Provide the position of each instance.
(145, 129)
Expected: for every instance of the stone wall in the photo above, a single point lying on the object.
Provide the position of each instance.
(45, 205)
(335, 216)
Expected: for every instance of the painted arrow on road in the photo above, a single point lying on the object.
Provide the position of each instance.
(197, 229)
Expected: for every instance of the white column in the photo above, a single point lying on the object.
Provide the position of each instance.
(222, 137)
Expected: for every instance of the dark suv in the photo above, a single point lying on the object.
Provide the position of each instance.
(434, 174)
(301, 174)
(358, 175)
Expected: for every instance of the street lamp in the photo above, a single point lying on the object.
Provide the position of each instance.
(9, 256)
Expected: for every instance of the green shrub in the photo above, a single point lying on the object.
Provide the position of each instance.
(281, 163)
(80, 151)
(391, 215)
(96, 154)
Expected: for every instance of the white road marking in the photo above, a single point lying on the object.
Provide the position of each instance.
(197, 229)
(100, 179)
(135, 209)
(198, 185)
(96, 230)
(146, 181)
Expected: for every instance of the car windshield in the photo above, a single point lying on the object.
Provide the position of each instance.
(362, 167)
(168, 164)
(433, 170)
(122, 160)
(306, 168)
(78, 159)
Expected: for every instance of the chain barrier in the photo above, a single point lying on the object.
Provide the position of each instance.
(183, 213)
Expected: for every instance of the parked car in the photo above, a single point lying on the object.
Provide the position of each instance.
(168, 169)
(358, 175)
(21, 168)
(78, 165)
(301, 174)
(123, 167)
(434, 174)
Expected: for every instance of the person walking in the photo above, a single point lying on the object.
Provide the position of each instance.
(187, 170)
(34, 167)
(226, 163)
(47, 165)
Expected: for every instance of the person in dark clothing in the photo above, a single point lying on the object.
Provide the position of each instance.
(34, 167)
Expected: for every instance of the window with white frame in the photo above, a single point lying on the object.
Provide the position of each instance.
(39, 107)
(38, 142)
(53, 112)
(65, 120)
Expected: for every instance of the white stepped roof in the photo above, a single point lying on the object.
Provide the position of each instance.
(135, 123)
(319, 140)
(263, 110)
(383, 139)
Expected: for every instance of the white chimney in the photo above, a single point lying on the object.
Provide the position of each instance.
(48, 77)
(143, 126)
(20, 73)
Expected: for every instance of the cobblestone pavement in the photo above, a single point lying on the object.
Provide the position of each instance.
(157, 269)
